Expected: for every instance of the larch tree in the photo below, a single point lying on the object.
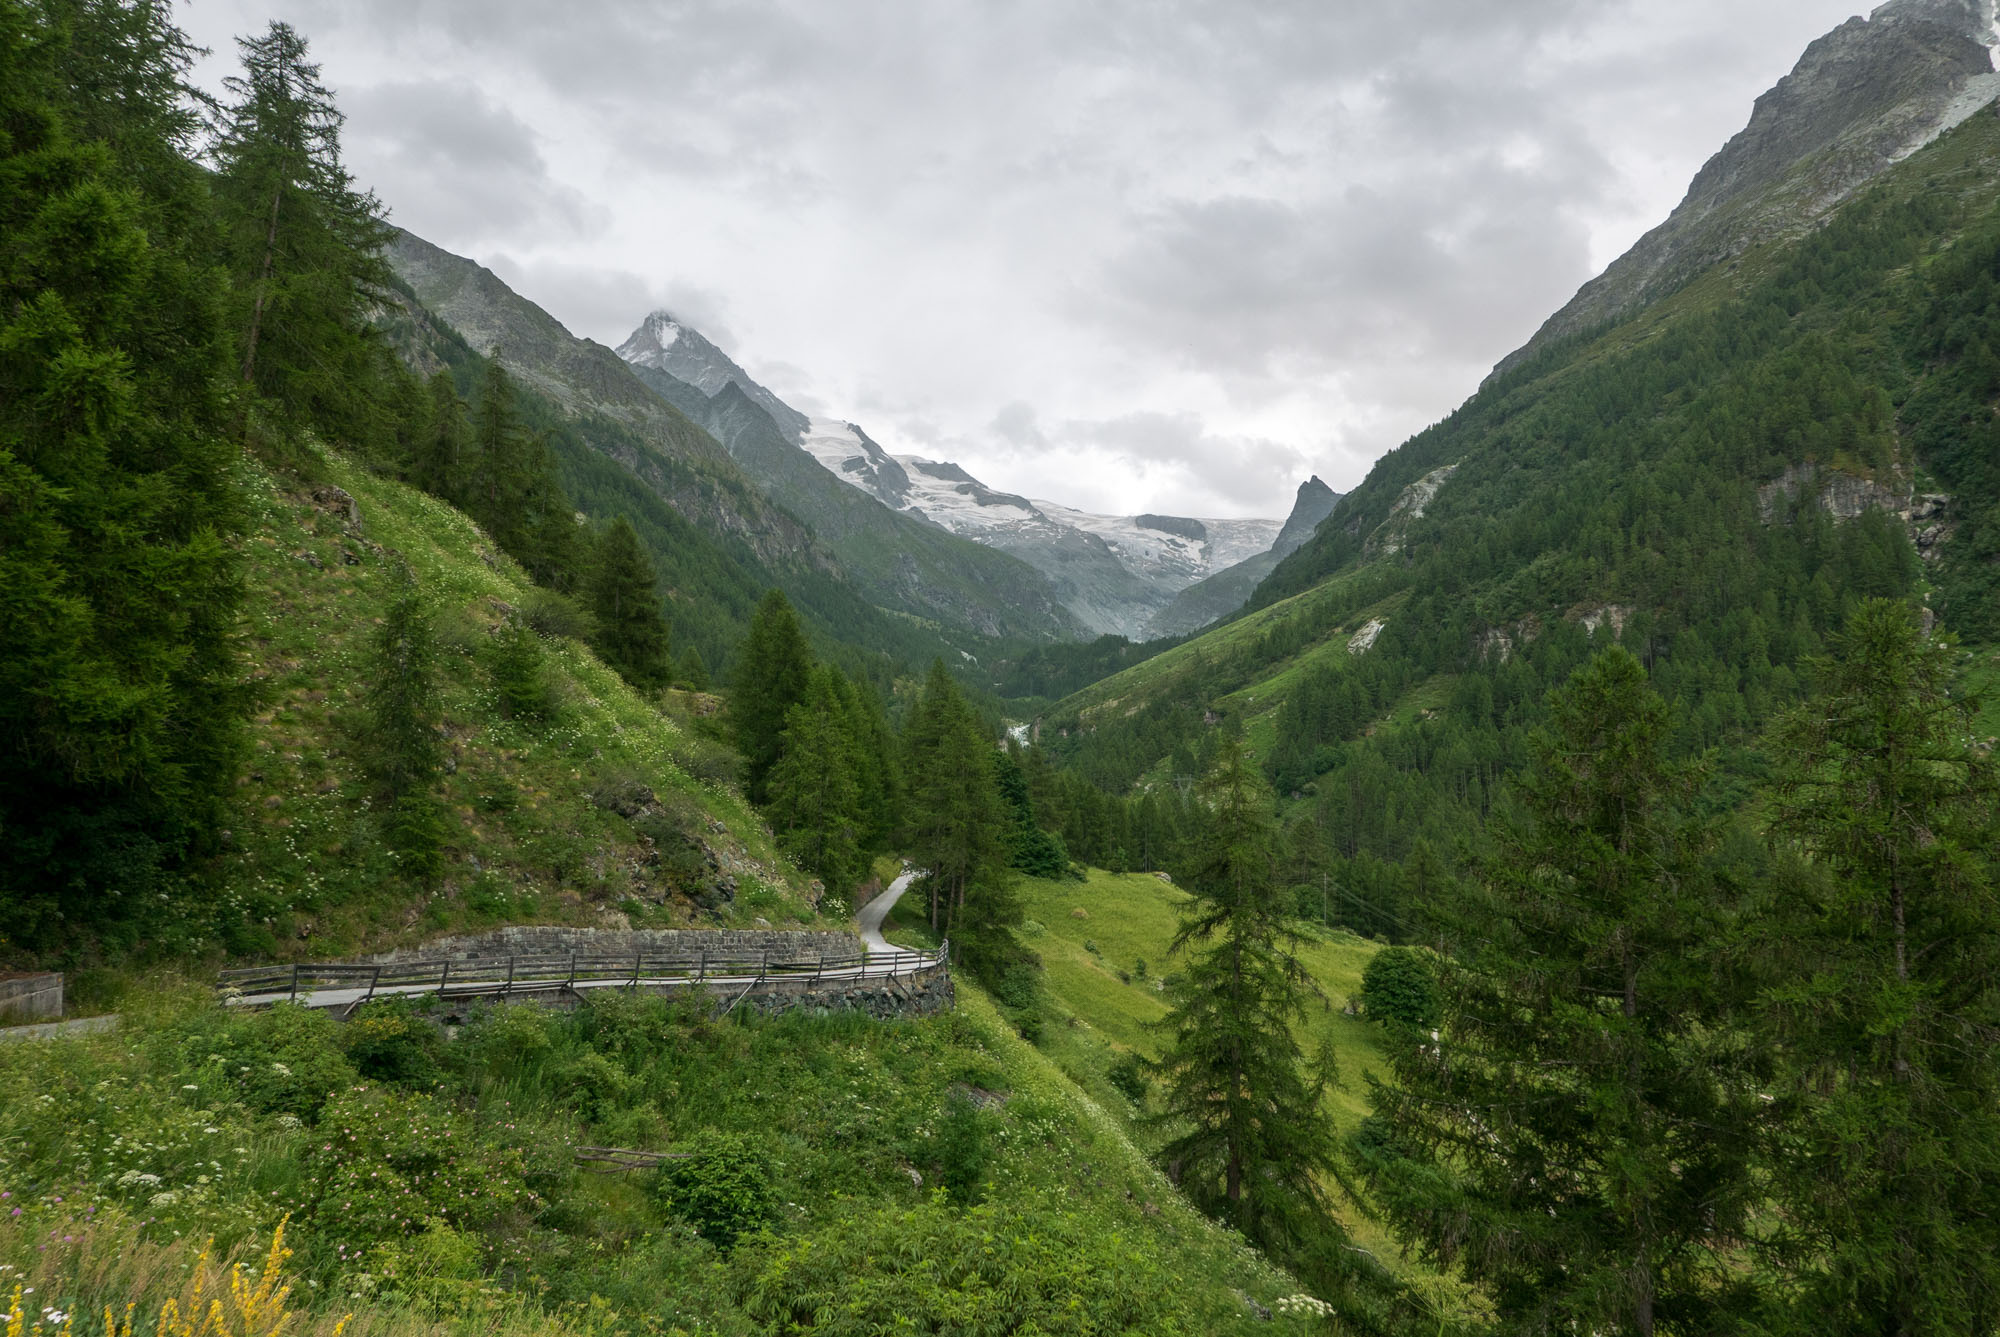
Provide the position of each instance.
(1884, 940)
(1249, 1140)
(303, 245)
(1575, 1139)
(120, 699)
(956, 824)
(815, 790)
(771, 677)
(624, 595)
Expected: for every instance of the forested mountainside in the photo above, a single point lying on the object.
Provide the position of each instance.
(800, 523)
(1711, 483)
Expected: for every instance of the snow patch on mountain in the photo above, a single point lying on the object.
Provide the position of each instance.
(847, 452)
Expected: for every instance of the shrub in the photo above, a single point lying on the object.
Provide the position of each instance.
(555, 617)
(1128, 1074)
(963, 1148)
(722, 1188)
(1399, 985)
(388, 1165)
(387, 1044)
(282, 1060)
(592, 1085)
(996, 1268)
(519, 675)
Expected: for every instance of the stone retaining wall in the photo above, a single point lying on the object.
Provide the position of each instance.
(30, 998)
(551, 940)
(923, 994)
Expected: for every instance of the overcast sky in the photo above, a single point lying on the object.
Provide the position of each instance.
(1166, 255)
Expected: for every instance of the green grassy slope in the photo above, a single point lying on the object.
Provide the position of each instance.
(531, 837)
(452, 1200)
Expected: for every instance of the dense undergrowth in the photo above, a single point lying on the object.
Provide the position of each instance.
(844, 1176)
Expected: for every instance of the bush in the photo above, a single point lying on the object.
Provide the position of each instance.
(723, 1188)
(592, 1085)
(555, 617)
(392, 1165)
(284, 1060)
(1016, 1268)
(1128, 1074)
(962, 1144)
(387, 1044)
(1399, 985)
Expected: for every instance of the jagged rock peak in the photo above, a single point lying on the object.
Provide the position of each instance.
(1975, 18)
(667, 343)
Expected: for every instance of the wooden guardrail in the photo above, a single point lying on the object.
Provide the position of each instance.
(501, 976)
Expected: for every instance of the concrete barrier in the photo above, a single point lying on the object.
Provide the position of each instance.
(26, 998)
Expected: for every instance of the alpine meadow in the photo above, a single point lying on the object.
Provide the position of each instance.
(506, 831)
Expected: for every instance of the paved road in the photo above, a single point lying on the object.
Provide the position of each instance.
(869, 918)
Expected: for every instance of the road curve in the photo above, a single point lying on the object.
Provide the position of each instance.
(868, 919)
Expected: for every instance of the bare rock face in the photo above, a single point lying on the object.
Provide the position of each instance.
(1862, 98)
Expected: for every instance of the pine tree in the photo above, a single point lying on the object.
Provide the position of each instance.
(815, 805)
(443, 450)
(875, 762)
(956, 825)
(772, 674)
(1574, 1139)
(1252, 1143)
(1885, 939)
(520, 673)
(631, 635)
(1030, 849)
(119, 695)
(497, 475)
(304, 246)
(402, 740)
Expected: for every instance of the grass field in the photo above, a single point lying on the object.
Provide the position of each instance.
(1105, 971)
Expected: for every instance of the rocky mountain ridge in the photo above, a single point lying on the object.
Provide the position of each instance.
(1112, 573)
(1862, 98)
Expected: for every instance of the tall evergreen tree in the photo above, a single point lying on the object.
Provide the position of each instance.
(304, 246)
(956, 824)
(402, 740)
(1252, 1144)
(815, 788)
(875, 762)
(119, 700)
(443, 451)
(1572, 1140)
(1886, 941)
(497, 480)
(631, 634)
(772, 674)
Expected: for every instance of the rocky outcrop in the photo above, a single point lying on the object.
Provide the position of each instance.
(1845, 496)
(1221, 594)
(1408, 507)
(1862, 98)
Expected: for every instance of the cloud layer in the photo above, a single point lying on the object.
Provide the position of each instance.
(1165, 255)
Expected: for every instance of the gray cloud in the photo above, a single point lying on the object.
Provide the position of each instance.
(1134, 254)
(453, 161)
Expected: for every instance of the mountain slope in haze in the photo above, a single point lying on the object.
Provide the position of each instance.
(1217, 596)
(1862, 98)
(1111, 572)
(899, 561)
(1711, 483)
(966, 588)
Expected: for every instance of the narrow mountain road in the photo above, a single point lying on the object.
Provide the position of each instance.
(868, 921)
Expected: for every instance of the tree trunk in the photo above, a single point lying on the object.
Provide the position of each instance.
(263, 283)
